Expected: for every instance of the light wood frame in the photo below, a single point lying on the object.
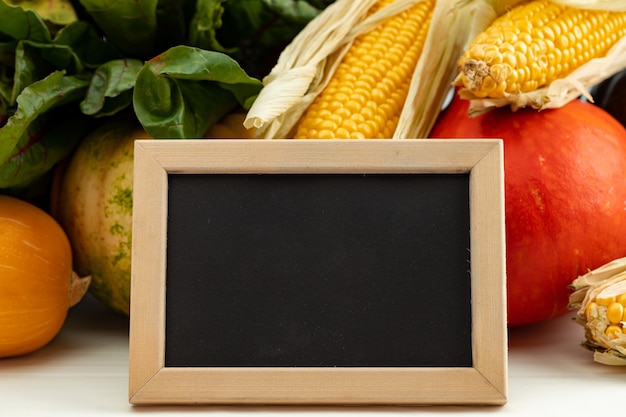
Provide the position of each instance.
(484, 383)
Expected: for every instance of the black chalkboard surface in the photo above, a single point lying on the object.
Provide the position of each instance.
(318, 272)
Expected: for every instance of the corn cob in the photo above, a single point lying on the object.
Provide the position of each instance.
(600, 297)
(534, 44)
(306, 66)
(365, 96)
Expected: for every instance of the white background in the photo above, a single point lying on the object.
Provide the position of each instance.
(84, 372)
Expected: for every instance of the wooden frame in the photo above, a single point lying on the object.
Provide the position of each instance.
(151, 382)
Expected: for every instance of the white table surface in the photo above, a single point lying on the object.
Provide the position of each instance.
(84, 372)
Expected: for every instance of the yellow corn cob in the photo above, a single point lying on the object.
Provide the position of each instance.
(534, 44)
(364, 98)
(600, 297)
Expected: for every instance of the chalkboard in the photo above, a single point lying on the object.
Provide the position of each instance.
(317, 272)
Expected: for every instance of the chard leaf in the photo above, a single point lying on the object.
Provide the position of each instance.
(19, 24)
(87, 45)
(129, 25)
(46, 58)
(73, 46)
(185, 90)
(60, 12)
(260, 29)
(111, 87)
(50, 141)
(29, 67)
(5, 94)
(204, 25)
(173, 18)
(300, 11)
(38, 98)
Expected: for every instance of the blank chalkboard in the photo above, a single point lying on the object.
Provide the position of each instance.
(318, 272)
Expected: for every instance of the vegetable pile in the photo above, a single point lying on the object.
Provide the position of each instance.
(79, 82)
(177, 66)
(74, 70)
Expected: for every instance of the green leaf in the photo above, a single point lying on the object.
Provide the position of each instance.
(50, 57)
(111, 87)
(173, 18)
(204, 25)
(297, 10)
(60, 12)
(71, 49)
(29, 68)
(20, 24)
(53, 139)
(182, 92)
(259, 30)
(129, 25)
(36, 99)
(89, 46)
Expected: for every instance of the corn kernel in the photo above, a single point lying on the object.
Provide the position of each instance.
(605, 301)
(615, 312)
(342, 133)
(613, 331)
(591, 311)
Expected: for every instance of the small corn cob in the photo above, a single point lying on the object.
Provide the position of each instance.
(534, 44)
(364, 98)
(600, 297)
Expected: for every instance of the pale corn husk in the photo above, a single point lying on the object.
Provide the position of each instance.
(437, 67)
(307, 64)
(564, 90)
(603, 282)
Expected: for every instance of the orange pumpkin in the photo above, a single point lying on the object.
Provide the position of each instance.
(565, 193)
(37, 285)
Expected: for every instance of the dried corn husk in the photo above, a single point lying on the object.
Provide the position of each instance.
(576, 84)
(436, 69)
(602, 283)
(307, 64)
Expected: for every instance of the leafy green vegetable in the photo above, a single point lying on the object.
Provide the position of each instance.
(21, 24)
(260, 29)
(24, 148)
(59, 12)
(178, 66)
(111, 88)
(86, 43)
(130, 25)
(204, 25)
(182, 92)
(42, 73)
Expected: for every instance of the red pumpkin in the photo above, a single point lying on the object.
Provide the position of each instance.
(565, 197)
